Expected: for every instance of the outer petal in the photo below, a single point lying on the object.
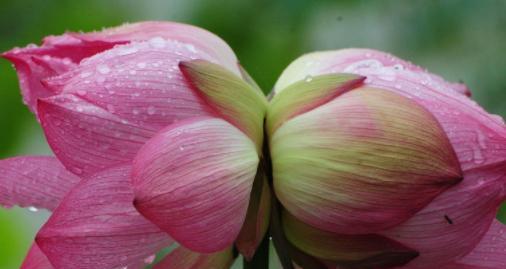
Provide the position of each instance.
(453, 224)
(230, 96)
(35, 181)
(182, 258)
(477, 137)
(491, 251)
(354, 251)
(139, 82)
(69, 49)
(194, 179)
(364, 162)
(35, 259)
(33, 68)
(198, 38)
(307, 94)
(349, 61)
(87, 138)
(97, 227)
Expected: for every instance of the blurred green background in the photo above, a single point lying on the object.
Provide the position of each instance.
(460, 40)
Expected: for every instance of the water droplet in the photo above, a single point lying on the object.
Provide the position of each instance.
(85, 74)
(308, 78)
(81, 92)
(151, 110)
(103, 69)
(157, 42)
(77, 171)
(481, 140)
(368, 63)
(149, 259)
(191, 48)
(33, 209)
(126, 50)
(181, 148)
(478, 155)
(398, 67)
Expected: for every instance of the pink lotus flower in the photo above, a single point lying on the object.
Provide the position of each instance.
(145, 112)
(388, 165)
(158, 136)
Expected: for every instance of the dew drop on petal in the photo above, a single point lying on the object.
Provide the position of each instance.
(77, 171)
(81, 92)
(398, 67)
(126, 51)
(478, 155)
(149, 259)
(308, 78)
(33, 209)
(481, 140)
(85, 74)
(157, 42)
(368, 63)
(103, 69)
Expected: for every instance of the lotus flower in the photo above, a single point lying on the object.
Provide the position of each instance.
(380, 164)
(158, 136)
(149, 147)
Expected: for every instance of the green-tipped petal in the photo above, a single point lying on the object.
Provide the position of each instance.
(361, 163)
(367, 251)
(246, 76)
(307, 94)
(229, 96)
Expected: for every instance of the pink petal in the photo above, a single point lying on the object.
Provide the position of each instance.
(31, 69)
(97, 227)
(182, 258)
(87, 138)
(351, 61)
(139, 82)
(35, 181)
(196, 38)
(491, 251)
(478, 138)
(35, 259)
(57, 55)
(361, 163)
(194, 179)
(452, 225)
